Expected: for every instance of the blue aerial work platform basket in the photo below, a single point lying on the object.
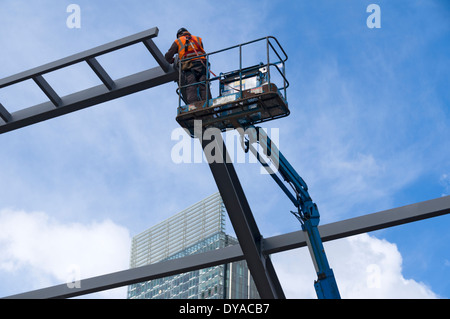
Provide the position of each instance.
(247, 96)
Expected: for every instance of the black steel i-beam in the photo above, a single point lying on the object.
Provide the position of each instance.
(109, 90)
(353, 226)
(241, 217)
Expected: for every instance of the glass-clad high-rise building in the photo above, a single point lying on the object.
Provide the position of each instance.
(197, 229)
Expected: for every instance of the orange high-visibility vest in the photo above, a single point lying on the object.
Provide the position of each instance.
(190, 46)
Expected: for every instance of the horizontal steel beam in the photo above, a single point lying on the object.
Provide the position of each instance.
(80, 57)
(110, 89)
(140, 274)
(363, 224)
(89, 97)
(384, 219)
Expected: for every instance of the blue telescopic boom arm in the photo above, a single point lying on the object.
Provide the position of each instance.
(307, 212)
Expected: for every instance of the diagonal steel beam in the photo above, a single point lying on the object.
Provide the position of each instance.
(4, 114)
(48, 90)
(241, 217)
(159, 57)
(276, 244)
(101, 73)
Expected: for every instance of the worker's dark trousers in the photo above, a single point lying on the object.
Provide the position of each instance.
(194, 75)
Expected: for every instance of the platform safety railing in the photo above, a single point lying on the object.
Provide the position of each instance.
(272, 46)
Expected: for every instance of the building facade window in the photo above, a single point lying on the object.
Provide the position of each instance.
(197, 229)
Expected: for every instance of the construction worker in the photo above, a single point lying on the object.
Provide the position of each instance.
(193, 70)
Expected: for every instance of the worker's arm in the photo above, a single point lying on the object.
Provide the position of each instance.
(172, 51)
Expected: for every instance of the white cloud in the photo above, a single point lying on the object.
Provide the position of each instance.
(364, 267)
(445, 182)
(51, 252)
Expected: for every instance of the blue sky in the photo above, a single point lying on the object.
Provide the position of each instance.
(368, 131)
